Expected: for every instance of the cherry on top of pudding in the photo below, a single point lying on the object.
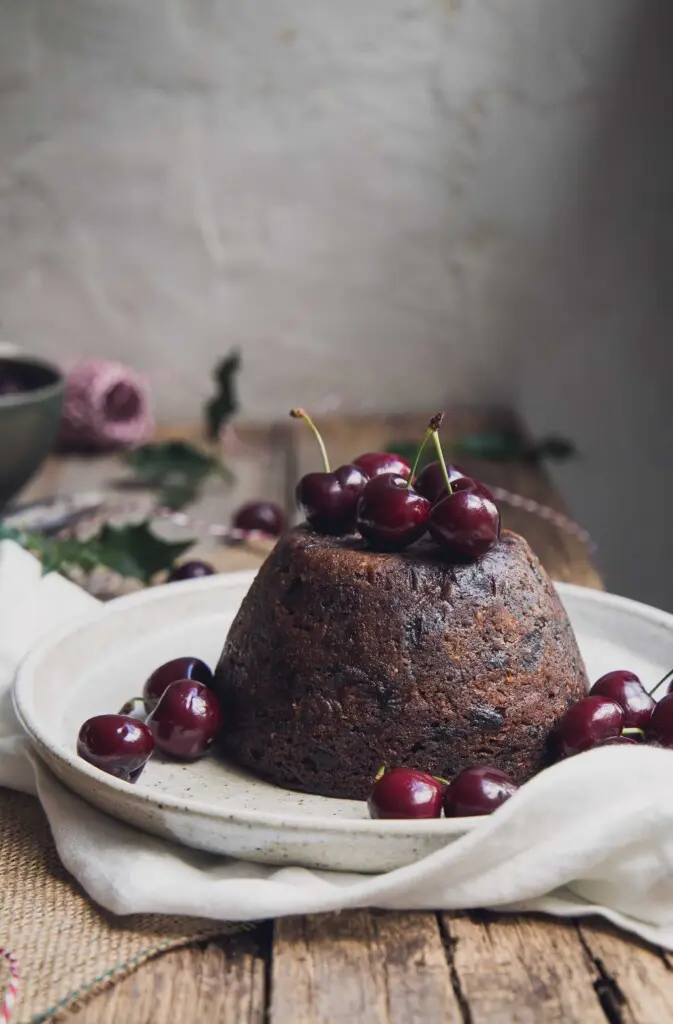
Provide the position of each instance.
(375, 463)
(390, 513)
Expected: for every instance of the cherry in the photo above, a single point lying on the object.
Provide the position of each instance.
(260, 515)
(194, 570)
(465, 523)
(627, 690)
(659, 729)
(477, 791)
(375, 463)
(117, 744)
(431, 484)
(390, 515)
(185, 720)
(405, 793)
(171, 672)
(587, 723)
(329, 500)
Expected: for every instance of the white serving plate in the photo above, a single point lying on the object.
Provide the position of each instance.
(94, 665)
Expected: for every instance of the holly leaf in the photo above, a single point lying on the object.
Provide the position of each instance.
(176, 469)
(224, 403)
(499, 446)
(136, 551)
(132, 551)
(157, 463)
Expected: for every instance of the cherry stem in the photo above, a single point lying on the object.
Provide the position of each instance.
(633, 731)
(301, 414)
(128, 705)
(412, 475)
(662, 680)
(380, 773)
(435, 424)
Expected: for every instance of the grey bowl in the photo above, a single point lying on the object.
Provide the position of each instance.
(29, 419)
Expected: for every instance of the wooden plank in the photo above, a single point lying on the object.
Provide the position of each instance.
(634, 980)
(223, 983)
(521, 969)
(361, 966)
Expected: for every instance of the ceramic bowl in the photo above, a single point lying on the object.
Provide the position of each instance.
(29, 419)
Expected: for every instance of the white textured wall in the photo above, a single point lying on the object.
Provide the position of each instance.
(383, 203)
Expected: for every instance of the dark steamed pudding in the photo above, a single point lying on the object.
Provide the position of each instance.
(342, 660)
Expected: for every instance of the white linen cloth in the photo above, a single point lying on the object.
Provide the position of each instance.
(593, 834)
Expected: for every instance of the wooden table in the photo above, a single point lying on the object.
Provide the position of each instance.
(475, 968)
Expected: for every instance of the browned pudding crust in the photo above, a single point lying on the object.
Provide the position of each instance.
(342, 659)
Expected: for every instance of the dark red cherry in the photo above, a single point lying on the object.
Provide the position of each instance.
(390, 515)
(586, 723)
(466, 524)
(477, 791)
(405, 793)
(659, 728)
(117, 744)
(185, 720)
(431, 484)
(194, 570)
(329, 500)
(260, 515)
(171, 672)
(375, 463)
(627, 690)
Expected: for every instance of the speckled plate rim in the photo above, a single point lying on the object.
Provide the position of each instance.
(22, 692)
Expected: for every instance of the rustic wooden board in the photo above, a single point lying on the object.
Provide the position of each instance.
(634, 980)
(361, 966)
(223, 982)
(523, 969)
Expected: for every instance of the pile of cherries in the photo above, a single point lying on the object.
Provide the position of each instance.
(379, 496)
(617, 710)
(177, 714)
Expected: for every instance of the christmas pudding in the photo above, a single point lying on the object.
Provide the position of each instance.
(343, 659)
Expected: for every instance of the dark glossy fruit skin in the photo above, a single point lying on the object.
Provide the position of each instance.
(190, 571)
(117, 744)
(659, 729)
(405, 793)
(587, 723)
(391, 516)
(466, 524)
(375, 463)
(260, 515)
(186, 720)
(329, 500)
(477, 791)
(171, 672)
(627, 690)
(430, 481)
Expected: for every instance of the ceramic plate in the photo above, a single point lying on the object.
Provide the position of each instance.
(94, 666)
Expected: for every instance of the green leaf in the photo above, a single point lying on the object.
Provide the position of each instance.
(132, 551)
(157, 463)
(499, 446)
(136, 551)
(176, 469)
(224, 403)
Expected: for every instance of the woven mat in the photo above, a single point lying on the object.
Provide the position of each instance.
(67, 947)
